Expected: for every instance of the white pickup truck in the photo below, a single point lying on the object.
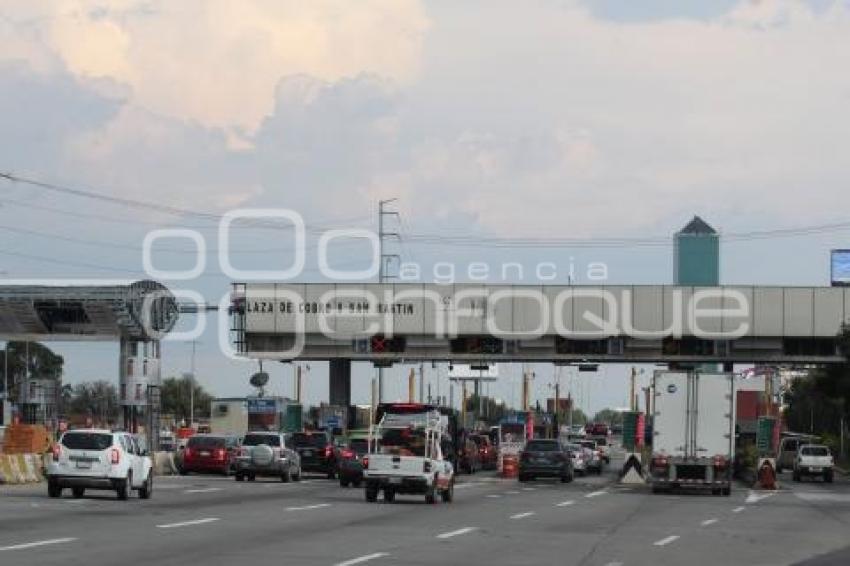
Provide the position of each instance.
(409, 458)
(813, 460)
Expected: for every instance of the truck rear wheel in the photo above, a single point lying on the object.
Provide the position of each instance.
(371, 493)
(389, 494)
(449, 493)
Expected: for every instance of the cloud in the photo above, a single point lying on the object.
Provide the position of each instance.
(216, 61)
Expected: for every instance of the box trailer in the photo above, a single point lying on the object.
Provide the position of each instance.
(693, 431)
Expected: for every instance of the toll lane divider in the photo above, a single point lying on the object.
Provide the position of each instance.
(21, 468)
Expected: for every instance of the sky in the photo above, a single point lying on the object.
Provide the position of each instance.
(541, 119)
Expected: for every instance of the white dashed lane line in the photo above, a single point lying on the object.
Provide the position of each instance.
(738, 509)
(309, 507)
(522, 515)
(26, 545)
(596, 493)
(188, 523)
(456, 533)
(666, 541)
(708, 522)
(204, 490)
(494, 496)
(362, 559)
(565, 503)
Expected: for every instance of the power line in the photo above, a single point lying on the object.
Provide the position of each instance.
(134, 248)
(144, 205)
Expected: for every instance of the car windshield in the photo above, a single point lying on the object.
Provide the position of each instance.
(403, 442)
(87, 441)
(359, 445)
(542, 446)
(206, 442)
(258, 439)
(302, 439)
(815, 451)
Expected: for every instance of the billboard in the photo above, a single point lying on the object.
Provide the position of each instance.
(840, 268)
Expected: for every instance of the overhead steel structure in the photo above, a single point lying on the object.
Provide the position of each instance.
(137, 314)
(390, 323)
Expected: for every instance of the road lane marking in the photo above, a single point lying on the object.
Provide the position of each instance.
(522, 515)
(188, 523)
(708, 522)
(565, 503)
(494, 496)
(26, 545)
(614, 564)
(754, 497)
(464, 485)
(666, 541)
(596, 493)
(363, 559)
(529, 489)
(309, 507)
(738, 509)
(204, 490)
(512, 492)
(456, 533)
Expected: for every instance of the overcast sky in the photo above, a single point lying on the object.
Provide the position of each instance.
(539, 119)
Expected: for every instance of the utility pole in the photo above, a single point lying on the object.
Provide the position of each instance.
(422, 382)
(382, 268)
(632, 390)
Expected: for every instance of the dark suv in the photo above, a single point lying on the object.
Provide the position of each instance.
(318, 454)
(545, 458)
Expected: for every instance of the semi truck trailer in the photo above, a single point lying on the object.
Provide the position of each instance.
(693, 431)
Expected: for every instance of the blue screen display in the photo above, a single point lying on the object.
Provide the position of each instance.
(841, 267)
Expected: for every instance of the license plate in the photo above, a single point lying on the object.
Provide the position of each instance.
(204, 453)
(816, 469)
(308, 453)
(83, 465)
(395, 481)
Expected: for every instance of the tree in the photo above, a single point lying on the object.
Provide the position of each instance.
(820, 401)
(97, 399)
(176, 396)
(609, 416)
(42, 363)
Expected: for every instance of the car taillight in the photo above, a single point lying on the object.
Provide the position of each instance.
(365, 462)
(219, 454)
(57, 451)
(115, 456)
(187, 452)
(328, 451)
(426, 467)
(659, 462)
(719, 461)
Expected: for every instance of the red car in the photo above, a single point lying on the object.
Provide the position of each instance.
(486, 452)
(210, 453)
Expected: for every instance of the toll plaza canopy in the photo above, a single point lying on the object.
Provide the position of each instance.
(142, 311)
(385, 323)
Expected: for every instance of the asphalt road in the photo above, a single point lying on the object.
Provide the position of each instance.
(206, 520)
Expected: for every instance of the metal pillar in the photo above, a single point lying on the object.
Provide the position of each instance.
(339, 383)
(139, 380)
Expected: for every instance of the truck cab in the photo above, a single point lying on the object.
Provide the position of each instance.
(407, 457)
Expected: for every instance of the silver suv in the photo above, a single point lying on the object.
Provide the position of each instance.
(266, 454)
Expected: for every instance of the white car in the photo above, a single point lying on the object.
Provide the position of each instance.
(100, 459)
(813, 460)
(577, 453)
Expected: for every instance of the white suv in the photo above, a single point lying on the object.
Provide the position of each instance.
(100, 459)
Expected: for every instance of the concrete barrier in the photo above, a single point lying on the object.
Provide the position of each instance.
(21, 468)
(163, 463)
